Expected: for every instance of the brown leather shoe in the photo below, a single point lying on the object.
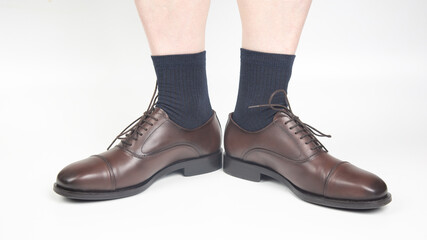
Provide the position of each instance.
(288, 151)
(152, 147)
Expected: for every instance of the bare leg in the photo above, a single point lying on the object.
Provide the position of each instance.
(272, 26)
(174, 26)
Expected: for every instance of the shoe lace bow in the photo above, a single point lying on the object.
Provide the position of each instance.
(308, 131)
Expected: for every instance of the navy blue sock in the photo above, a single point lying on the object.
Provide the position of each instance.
(260, 75)
(183, 90)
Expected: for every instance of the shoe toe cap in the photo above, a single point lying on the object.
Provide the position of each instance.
(90, 174)
(352, 183)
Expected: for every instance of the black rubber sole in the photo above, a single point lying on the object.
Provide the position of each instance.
(188, 167)
(254, 172)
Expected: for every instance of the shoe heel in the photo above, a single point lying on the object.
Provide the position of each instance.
(203, 165)
(240, 169)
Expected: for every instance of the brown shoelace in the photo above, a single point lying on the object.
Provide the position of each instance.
(307, 130)
(132, 131)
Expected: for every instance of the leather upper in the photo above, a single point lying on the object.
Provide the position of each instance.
(162, 143)
(283, 149)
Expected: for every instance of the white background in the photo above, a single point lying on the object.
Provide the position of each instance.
(74, 73)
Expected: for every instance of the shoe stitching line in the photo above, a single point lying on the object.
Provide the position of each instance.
(326, 184)
(110, 170)
(167, 147)
(259, 149)
(139, 156)
(149, 133)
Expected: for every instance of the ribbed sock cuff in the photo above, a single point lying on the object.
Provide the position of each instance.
(271, 59)
(179, 59)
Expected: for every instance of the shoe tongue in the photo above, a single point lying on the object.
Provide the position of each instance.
(279, 115)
